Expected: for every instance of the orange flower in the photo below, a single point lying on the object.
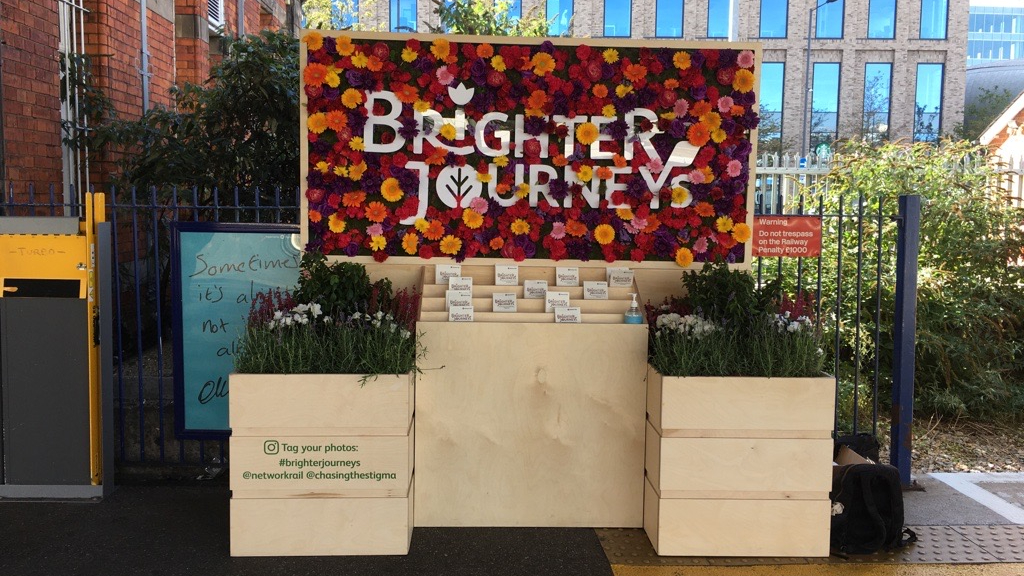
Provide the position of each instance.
(635, 72)
(575, 228)
(484, 50)
(374, 64)
(451, 245)
(317, 123)
(353, 199)
(743, 81)
(336, 223)
(700, 108)
(652, 224)
(600, 90)
(698, 134)
(410, 242)
(537, 99)
(741, 232)
(586, 133)
(624, 214)
(671, 84)
(440, 48)
(472, 219)
(705, 209)
(315, 216)
(604, 173)
(619, 160)
(337, 120)
(406, 93)
(376, 212)
(313, 40)
(681, 60)
(684, 257)
(434, 231)
(736, 110)
(315, 74)
(391, 190)
(497, 243)
(351, 98)
(344, 45)
(604, 234)
(713, 120)
(560, 161)
(520, 227)
(542, 63)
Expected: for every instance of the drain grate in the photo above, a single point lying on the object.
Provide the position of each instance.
(935, 545)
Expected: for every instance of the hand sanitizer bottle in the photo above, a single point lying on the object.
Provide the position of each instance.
(633, 315)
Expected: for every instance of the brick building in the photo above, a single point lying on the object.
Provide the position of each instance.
(138, 50)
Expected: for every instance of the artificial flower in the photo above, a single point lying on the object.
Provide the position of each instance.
(451, 245)
(604, 234)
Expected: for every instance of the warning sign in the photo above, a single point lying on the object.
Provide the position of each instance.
(787, 236)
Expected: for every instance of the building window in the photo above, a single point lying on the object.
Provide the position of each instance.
(933, 19)
(825, 104)
(515, 10)
(769, 131)
(668, 19)
(928, 103)
(830, 20)
(718, 18)
(403, 15)
(774, 14)
(882, 19)
(617, 18)
(559, 13)
(877, 95)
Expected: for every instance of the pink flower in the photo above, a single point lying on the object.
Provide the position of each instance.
(444, 76)
(557, 230)
(375, 230)
(733, 168)
(681, 107)
(655, 165)
(636, 225)
(478, 205)
(696, 176)
(725, 104)
(701, 245)
(745, 59)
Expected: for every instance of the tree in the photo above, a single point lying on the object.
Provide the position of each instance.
(340, 15)
(982, 111)
(239, 128)
(487, 17)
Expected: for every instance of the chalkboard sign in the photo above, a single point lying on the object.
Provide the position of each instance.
(217, 269)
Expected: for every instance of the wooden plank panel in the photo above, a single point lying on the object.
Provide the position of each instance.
(321, 526)
(321, 464)
(325, 402)
(486, 290)
(481, 317)
(775, 468)
(779, 528)
(741, 403)
(535, 305)
(531, 427)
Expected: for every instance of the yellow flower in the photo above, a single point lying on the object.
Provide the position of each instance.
(610, 55)
(356, 143)
(355, 172)
(624, 214)
(351, 98)
(440, 48)
(472, 219)
(336, 223)
(313, 40)
(340, 171)
(391, 190)
(483, 177)
(421, 225)
(542, 63)
(332, 79)
(448, 131)
(684, 257)
(608, 110)
(681, 60)
(317, 123)
(718, 136)
(451, 245)
(344, 45)
(680, 195)
(377, 243)
(743, 81)
(741, 232)
(622, 90)
(604, 234)
(421, 106)
(501, 161)
(723, 224)
(586, 174)
(359, 60)
(713, 120)
(322, 167)
(409, 55)
(523, 190)
(498, 63)
(586, 133)
(410, 242)
(520, 227)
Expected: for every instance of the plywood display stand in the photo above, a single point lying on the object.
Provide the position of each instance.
(525, 422)
(739, 466)
(321, 464)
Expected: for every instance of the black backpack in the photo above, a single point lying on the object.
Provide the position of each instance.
(867, 509)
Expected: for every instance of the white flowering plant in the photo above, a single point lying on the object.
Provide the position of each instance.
(726, 326)
(373, 335)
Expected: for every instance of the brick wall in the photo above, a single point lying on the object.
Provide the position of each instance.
(31, 107)
(161, 60)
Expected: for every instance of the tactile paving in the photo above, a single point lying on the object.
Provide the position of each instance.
(935, 545)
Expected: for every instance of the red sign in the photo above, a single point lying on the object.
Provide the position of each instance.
(787, 236)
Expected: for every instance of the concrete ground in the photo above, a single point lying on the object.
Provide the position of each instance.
(171, 529)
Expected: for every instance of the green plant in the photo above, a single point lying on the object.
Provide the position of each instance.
(341, 287)
(487, 17)
(725, 326)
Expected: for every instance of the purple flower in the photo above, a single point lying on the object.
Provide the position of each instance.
(410, 128)
(546, 46)
(329, 45)
(408, 180)
(617, 129)
(678, 129)
(534, 125)
(699, 92)
(558, 189)
(478, 71)
(352, 249)
(331, 93)
(356, 122)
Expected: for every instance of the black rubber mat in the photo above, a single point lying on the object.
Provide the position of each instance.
(175, 530)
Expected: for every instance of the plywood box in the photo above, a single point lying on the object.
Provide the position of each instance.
(321, 526)
(712, 527)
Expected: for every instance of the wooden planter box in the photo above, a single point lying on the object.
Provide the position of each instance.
(321, 464)
(738, 466)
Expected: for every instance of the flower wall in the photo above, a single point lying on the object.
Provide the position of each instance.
(495, 147)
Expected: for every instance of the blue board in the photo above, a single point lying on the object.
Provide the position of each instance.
(217, 269)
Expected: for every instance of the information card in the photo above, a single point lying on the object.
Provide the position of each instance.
(506, 275)
(442, 272)
(554, 300)
(460, 283)
(460, 314)
(503, 302)
(568, 315)
(456, 298)
(535, 289)
(567, 276)
(595, 290)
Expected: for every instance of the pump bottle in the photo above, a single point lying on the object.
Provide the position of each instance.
(633, 315)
